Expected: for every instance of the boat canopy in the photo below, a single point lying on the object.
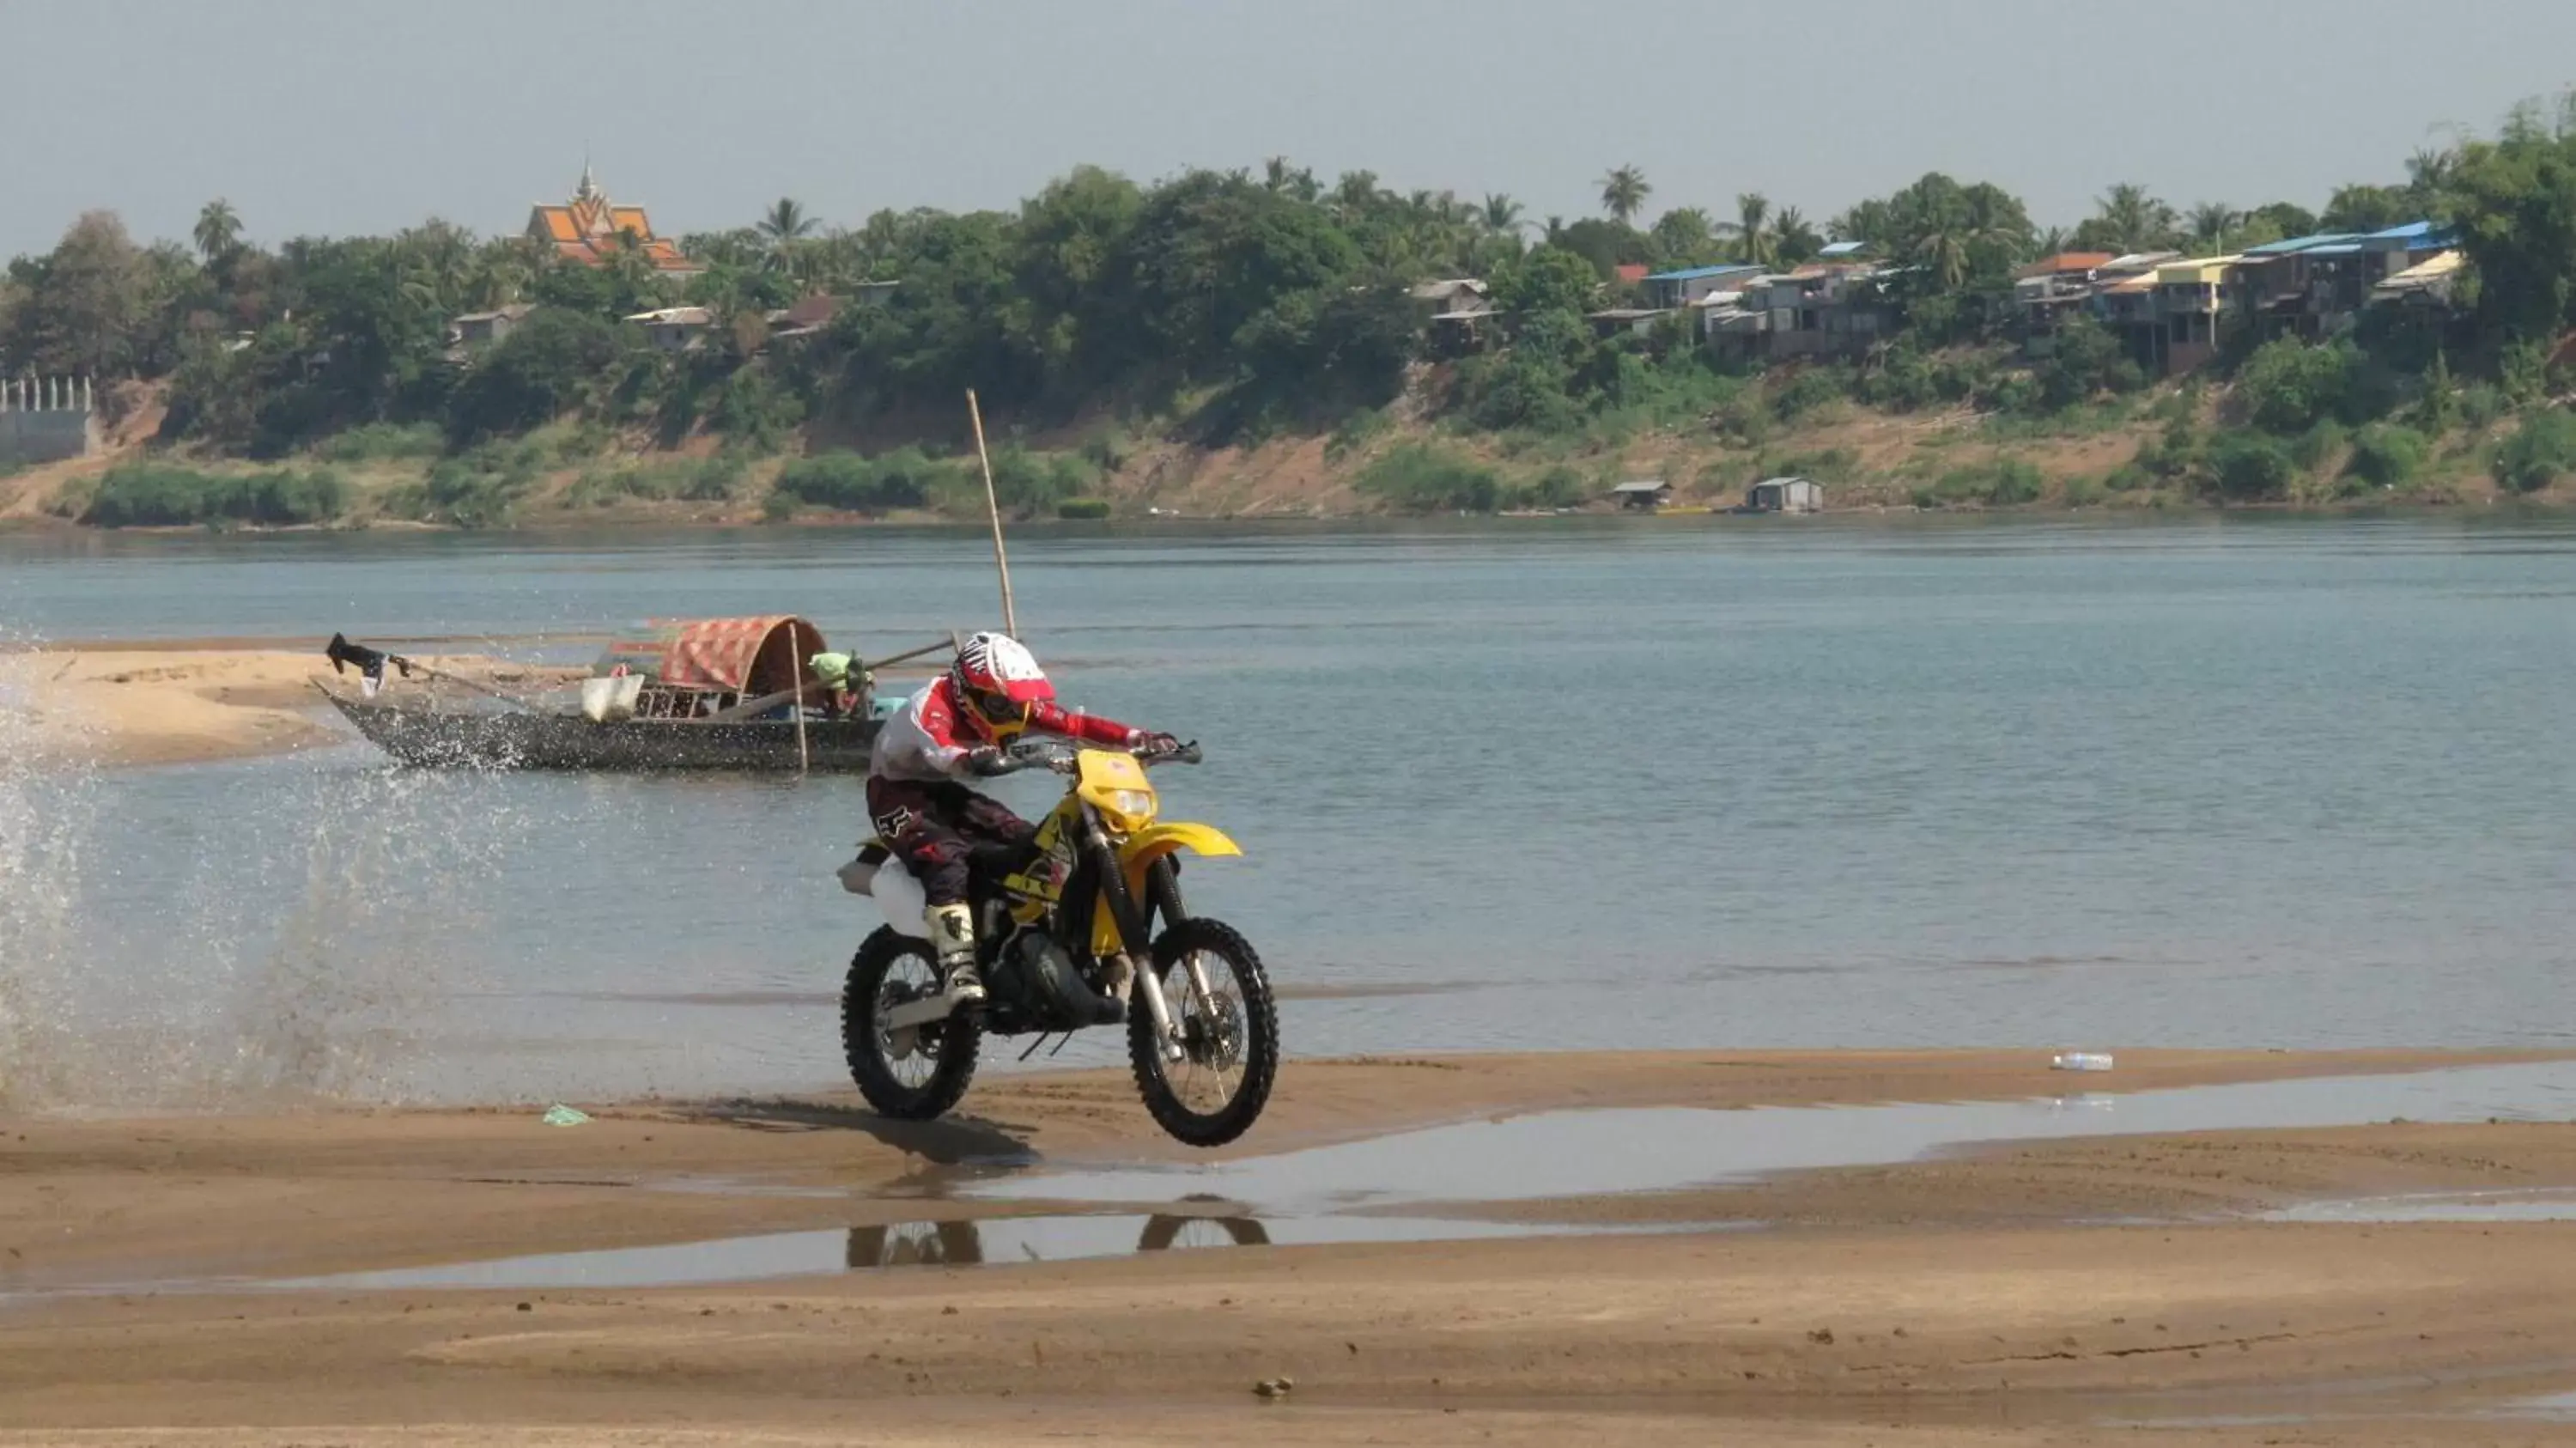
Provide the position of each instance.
(748, 656)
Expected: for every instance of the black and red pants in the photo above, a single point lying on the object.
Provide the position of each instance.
(946, 834)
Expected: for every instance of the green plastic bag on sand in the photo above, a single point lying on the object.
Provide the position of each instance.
(563, 1116)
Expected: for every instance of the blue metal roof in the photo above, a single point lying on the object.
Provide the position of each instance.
(2301, 243)
(2340, 248)
(1694, 273)
(2419, 235)
(1845, 248)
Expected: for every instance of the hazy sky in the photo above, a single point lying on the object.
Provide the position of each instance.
(333, 116)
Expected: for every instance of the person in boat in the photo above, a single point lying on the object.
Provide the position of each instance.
(952, 731)
(832, 671)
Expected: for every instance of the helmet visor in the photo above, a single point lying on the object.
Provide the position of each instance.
(997, 707)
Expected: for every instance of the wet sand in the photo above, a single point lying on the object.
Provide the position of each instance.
(1978, 1298)
(195, 701)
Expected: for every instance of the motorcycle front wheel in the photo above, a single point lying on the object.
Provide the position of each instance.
(912, 1073)
(1229, 1034)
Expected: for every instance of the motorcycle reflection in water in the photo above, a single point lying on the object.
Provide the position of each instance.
(961, 1243)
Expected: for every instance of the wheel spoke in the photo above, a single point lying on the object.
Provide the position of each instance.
(1212, 1022)
(1206, 1080)
(910, 1053)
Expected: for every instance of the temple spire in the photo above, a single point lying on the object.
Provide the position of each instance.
(589, 189)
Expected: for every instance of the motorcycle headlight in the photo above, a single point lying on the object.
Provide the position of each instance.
(1133, 804)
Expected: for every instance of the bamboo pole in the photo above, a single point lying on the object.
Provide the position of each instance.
(993, 507)
(804, 756)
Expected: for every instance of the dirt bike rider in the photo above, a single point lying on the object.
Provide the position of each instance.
(950, 731)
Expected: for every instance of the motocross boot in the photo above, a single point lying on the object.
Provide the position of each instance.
(952, 935)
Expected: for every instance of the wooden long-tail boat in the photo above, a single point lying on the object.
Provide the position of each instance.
(707, 694)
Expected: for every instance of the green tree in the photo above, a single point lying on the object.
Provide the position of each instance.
(1684, 237)
(1606, 244)
(960, 320)
(501, 272)
(2430, 174)
(1208, 253)
(2369, 208)
(81, 305)
(1755, 241)
(2209, 225)
(2278, 221)
(218, 232)
(2128, 219)
(784, 225)
(1624, 192)
(1069, 235)
(1503, 216)
(1290, 180)
(2250, 468)
(1315, 356)
(1355, 194)
(1957, 237)
(2514, 200)
(1796, 239)
(2086, 362)
(552, 363)
(1548, 279)
(2288, 386)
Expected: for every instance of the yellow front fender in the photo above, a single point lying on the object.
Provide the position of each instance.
(1138, 853)
(1153, 842)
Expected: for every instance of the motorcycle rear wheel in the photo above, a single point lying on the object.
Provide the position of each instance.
(913, 1074)
(1230, 1054)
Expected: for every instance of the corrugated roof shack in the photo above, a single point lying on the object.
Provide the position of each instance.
(1784, 495)
(1645, 495)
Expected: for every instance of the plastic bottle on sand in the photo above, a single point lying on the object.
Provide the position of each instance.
(2080, 1061)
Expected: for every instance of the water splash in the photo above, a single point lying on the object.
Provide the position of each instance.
(340, 1002)
(291, 937)
(45, 808)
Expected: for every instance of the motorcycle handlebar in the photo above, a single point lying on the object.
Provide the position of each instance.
(1059, 755)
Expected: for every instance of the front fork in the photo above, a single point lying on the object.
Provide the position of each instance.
(1135, 931)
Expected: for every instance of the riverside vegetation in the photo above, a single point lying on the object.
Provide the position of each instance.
(1166, 343)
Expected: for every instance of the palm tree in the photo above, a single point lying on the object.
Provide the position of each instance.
(502, 270)
(218, 230)
(2429, 177)
(1355, 193)
(1624, 192)
(1502, 214)
(785, 222)
(1944, 251)
(1950, 239)
(2210, 222)
(1752, 228)
(1873, 221)
(2135, 221)
(1794, 238)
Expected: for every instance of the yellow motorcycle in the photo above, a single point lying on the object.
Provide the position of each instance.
(1089, 929)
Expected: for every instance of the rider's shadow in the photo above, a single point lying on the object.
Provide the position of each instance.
(949, 1141)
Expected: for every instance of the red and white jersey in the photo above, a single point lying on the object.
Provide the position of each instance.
(929, 737)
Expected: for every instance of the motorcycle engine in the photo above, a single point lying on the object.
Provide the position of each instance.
(1041, 976)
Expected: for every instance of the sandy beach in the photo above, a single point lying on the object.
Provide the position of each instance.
(192, 701)
(2038, 1292)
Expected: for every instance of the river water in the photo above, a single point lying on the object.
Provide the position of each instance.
(1604, 783)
